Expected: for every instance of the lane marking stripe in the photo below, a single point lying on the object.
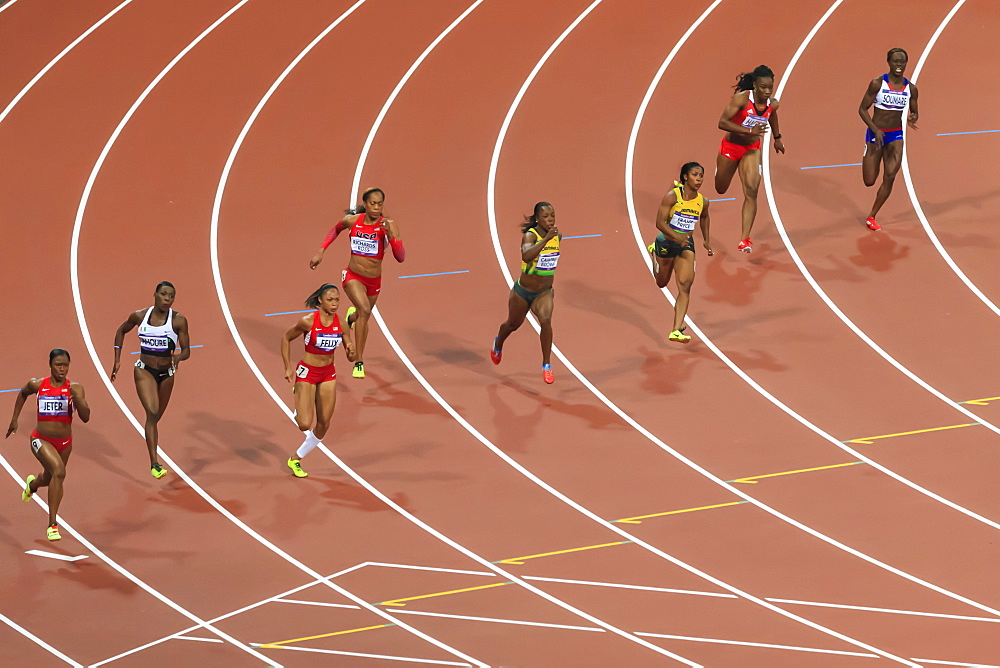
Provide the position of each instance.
(53, 555)
(519, 561)
(848, 164)
(497, 620)
(274, 645)
(638, 519)
(401, 601)
(369, 656)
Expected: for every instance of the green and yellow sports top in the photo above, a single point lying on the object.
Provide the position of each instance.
(545, 262)
(684, 215)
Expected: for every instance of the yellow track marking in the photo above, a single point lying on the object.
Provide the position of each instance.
(867, 440)
(638, 519)
(980, 402)
(400, 601)
(752, 480)
(519, 561)
(325, 635)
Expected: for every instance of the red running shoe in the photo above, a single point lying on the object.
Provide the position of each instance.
(495, 354)
(547, 375)
(746, 246)
(872, 225)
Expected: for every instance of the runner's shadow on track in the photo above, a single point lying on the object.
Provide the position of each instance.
(879, 252)
(389, 395)
(826, 192)
(96, 576)
(94, 447)
(266, 332)
(226, 438)
(613, 304)
(666, 375)
(736, 288)
(979, 203)
(596, 416)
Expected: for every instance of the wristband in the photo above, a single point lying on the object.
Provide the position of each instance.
(118, 347)
(777, 136)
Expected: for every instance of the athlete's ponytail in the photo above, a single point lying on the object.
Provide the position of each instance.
(686, 169)
(746, 80)
(360, 208)
(312, 301)
(532, 220)
(58, 352)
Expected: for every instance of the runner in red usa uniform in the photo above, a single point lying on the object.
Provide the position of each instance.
(315, 376)
(370, 233)
(52, 439)
(745, 121)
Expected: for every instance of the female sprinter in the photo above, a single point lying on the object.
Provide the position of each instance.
(315, 376)
(52, 439)
(681, 209)
(161, 331)
(533, 291)
(891, 94)
(362, 280)
(745, 121)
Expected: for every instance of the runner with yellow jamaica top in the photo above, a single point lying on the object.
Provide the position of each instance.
(681, 209)
(533, 291)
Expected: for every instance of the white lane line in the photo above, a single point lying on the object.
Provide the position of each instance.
(7, 6)
(245, 608)
(491, 211)
(908, 179)
(238, 339)
(317, 603)
(756, 386)
(224, 306)
(85, 331)
(952, 663)
(198, 639)
(387, 657)
(53, 555)
(428, 568)
(665, 590)
(65, 526)
(51, 63)
(497, 620)
(891, 611)
(719, 641)
(38, 641)
(864, 337)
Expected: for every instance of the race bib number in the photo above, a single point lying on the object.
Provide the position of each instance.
(36, 445)
(326, 341)
(361, 246)
(683, 222)
(53, 406)
(154, 342)
(752, 120)
(301, 371)
(548, 261)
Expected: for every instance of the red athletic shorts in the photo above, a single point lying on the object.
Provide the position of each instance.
(59, 444)
(314, 375)
(736, 151)
(372, 285)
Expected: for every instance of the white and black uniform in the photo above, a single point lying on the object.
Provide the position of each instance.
(158, 341)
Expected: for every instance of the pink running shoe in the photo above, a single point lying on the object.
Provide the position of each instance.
(746, 245)
(872, 225)
(547, 375)
(495, 354)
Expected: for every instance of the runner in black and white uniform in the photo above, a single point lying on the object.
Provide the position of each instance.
(162, 331)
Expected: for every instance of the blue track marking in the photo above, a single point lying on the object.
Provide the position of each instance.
(440, 273)
(200, 345)
(288, 312)
(582, 236)
(848, 164)
(723, 199)
(971, 132)
(14, 390)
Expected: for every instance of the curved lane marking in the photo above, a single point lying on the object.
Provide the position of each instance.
(746, 378)
(38, 641)
(237, 338)
(909, 180)
(491, 211)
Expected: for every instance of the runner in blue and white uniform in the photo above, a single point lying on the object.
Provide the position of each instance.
(892, 94)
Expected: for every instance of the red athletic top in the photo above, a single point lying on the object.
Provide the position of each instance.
(368, 239)
(749, 116)
(55, 404)
(322, 340)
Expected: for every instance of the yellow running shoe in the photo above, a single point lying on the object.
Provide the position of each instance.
(26, 494)
(359, 370)
(351, 311)
(296, 466)
(678, 336)
(52, 533)
(158, 471)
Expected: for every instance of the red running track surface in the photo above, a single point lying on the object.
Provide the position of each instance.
(790, 489)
